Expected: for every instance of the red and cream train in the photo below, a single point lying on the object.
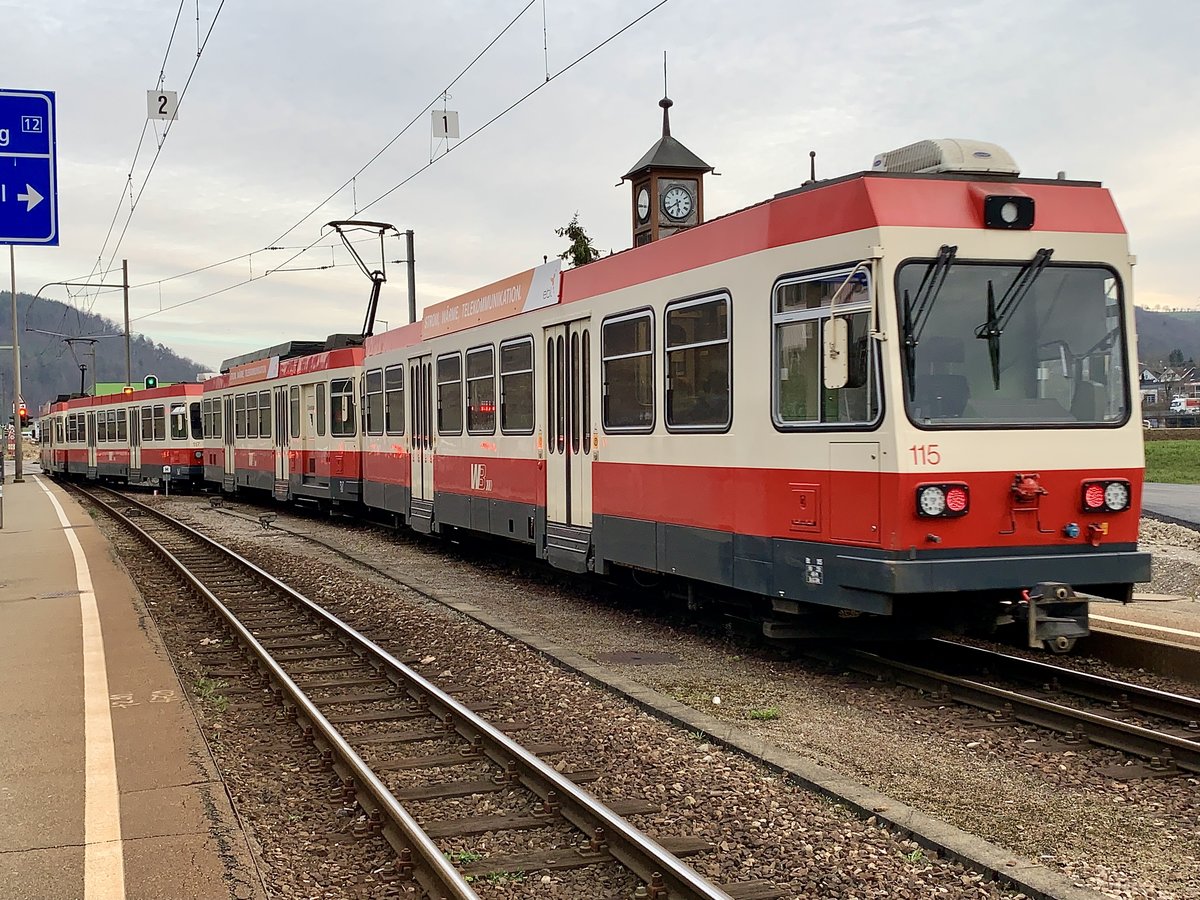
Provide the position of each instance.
(900, 396)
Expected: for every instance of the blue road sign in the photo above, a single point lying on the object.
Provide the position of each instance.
(28, 177)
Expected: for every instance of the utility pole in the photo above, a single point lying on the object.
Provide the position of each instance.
(125, 284)
(412, 278)
(19, 475)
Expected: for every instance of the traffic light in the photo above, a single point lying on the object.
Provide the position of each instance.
(127, 389)
(24, 414)
(151, 381)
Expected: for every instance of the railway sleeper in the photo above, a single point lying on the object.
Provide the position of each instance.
(441, 828)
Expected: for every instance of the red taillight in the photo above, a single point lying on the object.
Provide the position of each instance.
(956, 499)
(942, 500)
(1093, 496)
(1111, 495)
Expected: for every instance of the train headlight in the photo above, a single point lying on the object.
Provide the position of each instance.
(1112, 495)
(942, 500)
(1008, 211)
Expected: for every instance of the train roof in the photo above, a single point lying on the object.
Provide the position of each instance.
(815, 210)
(167, 392)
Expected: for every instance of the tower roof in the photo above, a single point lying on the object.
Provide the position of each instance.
(667, 153)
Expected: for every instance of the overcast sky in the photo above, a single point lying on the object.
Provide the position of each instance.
(291, 97)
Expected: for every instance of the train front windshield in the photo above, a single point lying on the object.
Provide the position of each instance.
(1034, 343)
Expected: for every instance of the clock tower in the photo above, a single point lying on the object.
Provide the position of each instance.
(668, 187)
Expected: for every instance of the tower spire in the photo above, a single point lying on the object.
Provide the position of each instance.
(665, 102)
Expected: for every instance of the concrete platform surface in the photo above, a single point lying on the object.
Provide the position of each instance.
(107, 789)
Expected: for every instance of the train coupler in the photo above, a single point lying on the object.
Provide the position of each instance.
(1055, 615)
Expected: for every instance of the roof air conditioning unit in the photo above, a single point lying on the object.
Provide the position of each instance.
(945, 156)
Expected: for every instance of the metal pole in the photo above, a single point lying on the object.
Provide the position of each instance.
(412, 278)
(16, 348)
(125, 283)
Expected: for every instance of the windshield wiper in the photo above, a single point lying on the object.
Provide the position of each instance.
(1000, 314)
(917, 310)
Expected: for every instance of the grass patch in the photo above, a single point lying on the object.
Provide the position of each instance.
(463, 856)
(209, 691)
(1173, 462)
(766, 714)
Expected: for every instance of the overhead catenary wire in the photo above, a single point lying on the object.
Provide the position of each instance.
(421, 169)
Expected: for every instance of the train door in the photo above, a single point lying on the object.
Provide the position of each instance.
(568, 443)
(135, 443)
(91, 445)
(228, 481)
(282, 443)
(420, 436)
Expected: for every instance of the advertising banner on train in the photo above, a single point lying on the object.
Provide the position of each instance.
(532, 289)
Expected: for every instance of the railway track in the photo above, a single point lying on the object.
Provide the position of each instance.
(362, 709)
(1160, 728)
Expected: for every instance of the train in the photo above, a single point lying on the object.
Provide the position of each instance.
(873, 405)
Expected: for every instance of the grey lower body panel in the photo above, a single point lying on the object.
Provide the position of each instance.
(503, 518)
(391, 498)
(863, 579)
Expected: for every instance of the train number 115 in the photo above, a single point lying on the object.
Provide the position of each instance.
(925, 454)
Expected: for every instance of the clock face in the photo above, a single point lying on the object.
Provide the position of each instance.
(643, 205)
(677, 202)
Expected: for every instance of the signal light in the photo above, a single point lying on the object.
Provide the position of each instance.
(1112, 495)
(945, 501)
(151, 381)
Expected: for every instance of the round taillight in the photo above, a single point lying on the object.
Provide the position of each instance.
(1093, 496)
(1116, 495)
(956, 499)
(932, 500)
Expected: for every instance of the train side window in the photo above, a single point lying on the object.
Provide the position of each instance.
(160, 423)
(294, 409)
(264, 414)
(239, 415)
(393, 411)
(587, 391)
(122, 426)
(217, 417)
(516, 386)
(550, 420)
(374, 411)
(481, 390)
(321, 409)
(698, 388)
(58, 430)
(197, 424)
(800, 317)
(449, 394)
(147, 424)
(101, 430)
(341, 408)
(252, 414)
(179, 422)
(627, 370)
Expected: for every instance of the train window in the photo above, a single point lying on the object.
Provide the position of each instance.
(197, 425)
(147, 424)
(341, 408)
(321, 409)
(101, 431)
(264, 414)
(217, 418)
(58, 430)
(587, 391)
(627, 355)
(1051, 352)
(239, 415)
(800, 317)
(393, 385)
(374, 410)
(698, 348)
(252, 414)
(294, 409)
(481, 390)
(449, 394)
(160, 423)
(122, 429)
(516, 386)
(179, 422)
(574, 376)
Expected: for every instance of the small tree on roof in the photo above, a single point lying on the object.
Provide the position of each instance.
(581, 252)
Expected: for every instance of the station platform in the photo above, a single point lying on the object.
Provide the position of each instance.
(107, 789)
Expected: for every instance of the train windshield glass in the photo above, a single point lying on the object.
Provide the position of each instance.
(1028, 344)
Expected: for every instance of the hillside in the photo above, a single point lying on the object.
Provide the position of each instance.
(1161, 332)
(48, 367)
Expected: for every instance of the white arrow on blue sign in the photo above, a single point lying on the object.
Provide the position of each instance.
(28, 172)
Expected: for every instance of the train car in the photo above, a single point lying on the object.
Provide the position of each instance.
(285, 421)
(148, 437)
(900, 397)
